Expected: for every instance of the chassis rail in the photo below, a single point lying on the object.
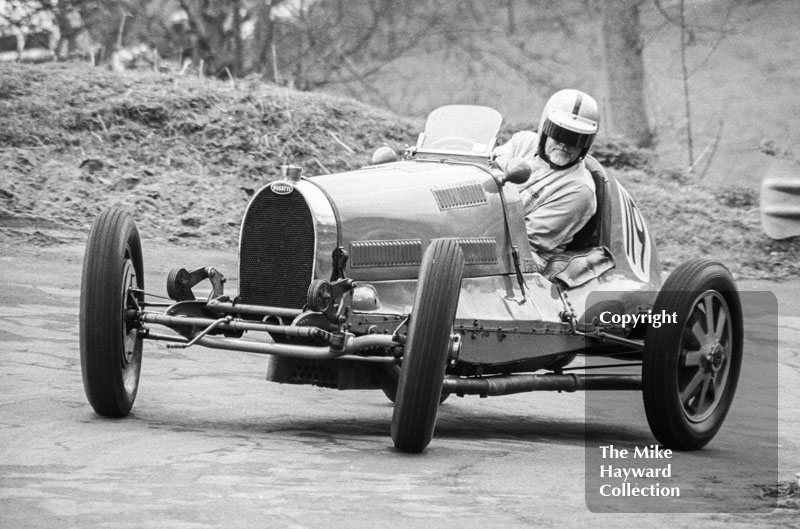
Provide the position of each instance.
(377, 348)
(294, 351)
(238, 325)
(339, 346)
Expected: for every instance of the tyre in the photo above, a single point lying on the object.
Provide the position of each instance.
(111, 289)
(419, 388)
(690, 368)
(389, 384)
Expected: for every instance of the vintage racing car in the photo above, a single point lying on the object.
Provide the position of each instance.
(414, 276)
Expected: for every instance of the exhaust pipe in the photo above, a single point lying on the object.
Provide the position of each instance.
(509, 384)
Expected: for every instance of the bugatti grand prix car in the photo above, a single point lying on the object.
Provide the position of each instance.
(413, 275)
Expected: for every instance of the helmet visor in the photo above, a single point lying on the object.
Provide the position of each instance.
(569, 129)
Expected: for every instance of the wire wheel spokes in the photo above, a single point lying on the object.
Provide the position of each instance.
(705, 356)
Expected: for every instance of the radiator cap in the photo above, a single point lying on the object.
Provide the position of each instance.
(292, 172)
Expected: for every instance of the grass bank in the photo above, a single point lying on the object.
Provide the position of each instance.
(185, 154)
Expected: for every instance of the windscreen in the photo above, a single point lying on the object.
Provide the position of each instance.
(461, 128)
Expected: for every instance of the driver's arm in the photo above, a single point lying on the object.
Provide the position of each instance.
(523, 144)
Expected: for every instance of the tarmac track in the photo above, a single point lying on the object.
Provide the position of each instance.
(211, 444)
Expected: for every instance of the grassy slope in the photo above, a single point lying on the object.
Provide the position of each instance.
(185, 154)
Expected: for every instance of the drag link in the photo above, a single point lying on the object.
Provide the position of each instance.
(217, 323)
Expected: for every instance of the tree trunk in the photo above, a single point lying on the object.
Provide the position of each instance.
(510, 17)
(238, 45)
(625, 71)
(263, 42)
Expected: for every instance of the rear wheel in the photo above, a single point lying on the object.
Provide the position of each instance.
(691, 368)
(111, 292)
(419, 388)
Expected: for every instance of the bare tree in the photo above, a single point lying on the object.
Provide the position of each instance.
(336, 41)
(685, 78)
(348, 44)
(625, 71)
(26, 21)
(207, 21)
(264, 55)
(688, 37)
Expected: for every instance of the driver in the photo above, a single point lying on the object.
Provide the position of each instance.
(559, 196)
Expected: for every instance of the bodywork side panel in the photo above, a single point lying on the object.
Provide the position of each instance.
(632, 284)
(385, 217)
(389, 214)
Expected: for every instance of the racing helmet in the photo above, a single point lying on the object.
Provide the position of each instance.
(570, 117)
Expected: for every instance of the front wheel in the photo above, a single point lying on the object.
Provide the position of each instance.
(112, 288)
(419, 388)
(691, 367)
(391, 377)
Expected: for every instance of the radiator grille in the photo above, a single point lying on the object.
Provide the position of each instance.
(276, 257)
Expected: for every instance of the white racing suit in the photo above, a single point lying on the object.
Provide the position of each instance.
(557, 202)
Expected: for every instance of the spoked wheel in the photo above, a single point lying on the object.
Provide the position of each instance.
(691, 368)
(427, 347)
(111, 292)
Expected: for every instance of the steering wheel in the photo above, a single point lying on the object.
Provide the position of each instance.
(453, 143)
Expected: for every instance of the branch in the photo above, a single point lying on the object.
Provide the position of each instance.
(694, 27)
(121, 32)
(665, 14)
(359, 76)
(722, 35)
(485, 54)
(370, 90)
(712, 148)
(334, 57)
(25, 16)
(361, 42)
(195, 23)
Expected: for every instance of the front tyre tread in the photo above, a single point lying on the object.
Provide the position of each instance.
(427, 347)
(111, 347)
